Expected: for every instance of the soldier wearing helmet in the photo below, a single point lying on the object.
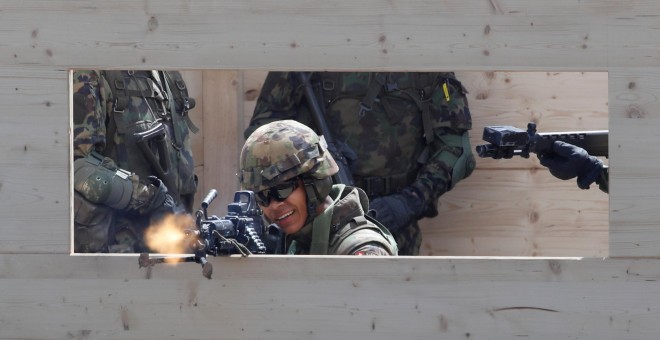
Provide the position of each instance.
(289, 168)
(404, 136)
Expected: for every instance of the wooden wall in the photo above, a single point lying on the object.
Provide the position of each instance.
(48, 293)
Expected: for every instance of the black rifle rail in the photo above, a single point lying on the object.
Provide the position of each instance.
(240, 232)
(508, 141)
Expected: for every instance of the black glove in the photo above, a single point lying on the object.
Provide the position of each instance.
(568, 161)
(156, 201)
(397, 210)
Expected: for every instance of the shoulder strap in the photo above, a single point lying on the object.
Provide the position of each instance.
(179, 93)
(321, 232)
(118, 87)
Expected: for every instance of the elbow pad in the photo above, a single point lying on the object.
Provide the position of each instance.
(465, 163)
(100, 181)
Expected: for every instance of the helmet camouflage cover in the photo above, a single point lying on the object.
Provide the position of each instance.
(281, 150)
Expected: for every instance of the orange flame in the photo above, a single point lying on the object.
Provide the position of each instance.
(168, 236)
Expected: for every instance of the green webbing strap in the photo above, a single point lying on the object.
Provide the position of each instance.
(426, 121)
(175, 115)
(293, 248)
(321, 232)
(321, 227)
(182, 97)
(374, 89)
(120, 92)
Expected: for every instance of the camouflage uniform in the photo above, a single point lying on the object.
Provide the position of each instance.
(284, 150)
(114, 112)
(351, 233)
(407, 133)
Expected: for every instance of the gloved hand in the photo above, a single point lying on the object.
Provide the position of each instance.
(397, 210)
(162, 202)
(568, 161)
(154, 199)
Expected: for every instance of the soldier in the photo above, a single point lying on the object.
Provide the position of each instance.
(405, 136)
(567, 161)
(132, 155)
(289, 168)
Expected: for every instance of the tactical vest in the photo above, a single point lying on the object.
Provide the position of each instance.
(348, 235)
(149, 134)
(359, 233)
(407, 100)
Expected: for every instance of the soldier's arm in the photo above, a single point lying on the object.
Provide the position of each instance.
(89, 112)
(450, 157)
(119, 189)
(446, 160)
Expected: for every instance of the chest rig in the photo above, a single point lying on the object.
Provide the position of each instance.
(384, 87)
(148, 127)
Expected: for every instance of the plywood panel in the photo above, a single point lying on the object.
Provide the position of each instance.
(376, 34)
(635, 117)
(518, 213)
(221, 137)
(47, 294)
(297, 297)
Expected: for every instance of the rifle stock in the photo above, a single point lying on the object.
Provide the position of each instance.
(344, 174)
(509, 141)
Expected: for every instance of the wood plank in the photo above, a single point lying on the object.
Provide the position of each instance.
(518, 213)
(408, 35)
(635, 116)
(372, 298)
(35, 148)
(221, 138)
(48, 294)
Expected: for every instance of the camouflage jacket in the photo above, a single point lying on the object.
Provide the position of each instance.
(349, 232)
(390, 140)
(109, 113)
(112, 112)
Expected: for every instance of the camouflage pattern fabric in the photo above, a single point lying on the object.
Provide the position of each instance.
(282, 150)
(346, 237)
(100, 125)
(389, 140)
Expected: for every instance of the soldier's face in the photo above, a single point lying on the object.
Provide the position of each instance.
(289, 214)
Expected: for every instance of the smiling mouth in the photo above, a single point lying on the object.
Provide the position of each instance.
(284, 216)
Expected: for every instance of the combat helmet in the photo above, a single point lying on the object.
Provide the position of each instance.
(281, 150)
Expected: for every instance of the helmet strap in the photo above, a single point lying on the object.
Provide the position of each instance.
(312, 198)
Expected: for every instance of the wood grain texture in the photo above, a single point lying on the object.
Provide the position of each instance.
(48, 294)
(326, 298)
(375, 34)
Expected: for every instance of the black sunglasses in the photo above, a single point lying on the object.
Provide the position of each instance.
(279, 192)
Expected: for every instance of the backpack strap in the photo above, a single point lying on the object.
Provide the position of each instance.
(180, 95)
(321, 233)
(375, 86)
(119, 91)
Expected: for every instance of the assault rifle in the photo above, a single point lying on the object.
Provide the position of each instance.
(241, 231)
(162, 165)
(509, 141)
(338, 150)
